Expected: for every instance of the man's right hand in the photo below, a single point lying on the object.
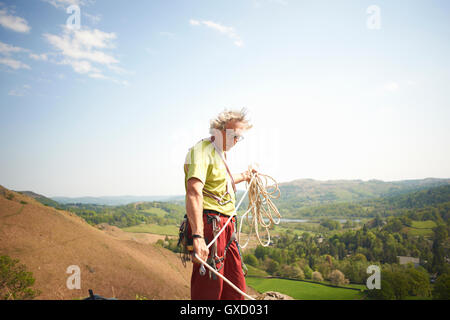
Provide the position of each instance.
(201, 249)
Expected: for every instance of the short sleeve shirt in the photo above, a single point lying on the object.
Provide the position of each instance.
(204, 163)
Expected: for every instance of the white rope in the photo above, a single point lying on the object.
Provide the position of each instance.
(261, 206)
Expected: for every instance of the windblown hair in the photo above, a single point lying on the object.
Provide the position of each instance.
(226, 116)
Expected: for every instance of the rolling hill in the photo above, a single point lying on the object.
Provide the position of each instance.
(48, 241)
(303, 193)
(113, 200)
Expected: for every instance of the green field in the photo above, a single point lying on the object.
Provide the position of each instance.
(169, 230)
(301, 290)
(428, 224)
(158, 212)
(421, 228)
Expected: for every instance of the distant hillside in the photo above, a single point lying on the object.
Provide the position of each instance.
(307, 192)
(416, 203)
(155, 212)
(39, 197)
(294, 194)
(114, 200)
(48, 241)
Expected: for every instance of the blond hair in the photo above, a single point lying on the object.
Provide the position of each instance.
(226, 116)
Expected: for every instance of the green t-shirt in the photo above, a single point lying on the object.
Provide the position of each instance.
(204, 163)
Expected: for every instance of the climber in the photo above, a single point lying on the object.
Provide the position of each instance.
(210, 201)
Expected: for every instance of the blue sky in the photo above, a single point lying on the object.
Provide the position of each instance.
(112, 107)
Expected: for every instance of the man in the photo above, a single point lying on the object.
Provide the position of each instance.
(210, 200)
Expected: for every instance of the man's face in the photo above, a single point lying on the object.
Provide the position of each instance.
(232, 133)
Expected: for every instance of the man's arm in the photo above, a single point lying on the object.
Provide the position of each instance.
(194, 210)
(244, 176)
(240, 177)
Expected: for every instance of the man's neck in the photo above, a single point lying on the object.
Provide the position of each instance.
(213, 138)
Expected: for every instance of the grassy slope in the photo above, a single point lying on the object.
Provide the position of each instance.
(48, 241)
(153, 228)
(420, 228)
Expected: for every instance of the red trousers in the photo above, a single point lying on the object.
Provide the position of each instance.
(205, 288)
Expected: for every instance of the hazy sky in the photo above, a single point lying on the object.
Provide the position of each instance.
(335, 90)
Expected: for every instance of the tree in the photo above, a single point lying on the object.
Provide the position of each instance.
(317, 276)
(419, 282)
(15, 281)
(337, 278)
(394, 285)
(441, 289)
(251, 260)
(440, 235)
(272, 266)
(295, 272)
(307, 272)
(260, 252)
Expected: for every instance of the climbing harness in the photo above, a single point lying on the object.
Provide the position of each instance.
(185, 242)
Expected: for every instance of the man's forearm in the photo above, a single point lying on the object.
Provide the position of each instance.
(238, 177)
(194, 211)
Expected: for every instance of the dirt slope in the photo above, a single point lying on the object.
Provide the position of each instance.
(48, 241)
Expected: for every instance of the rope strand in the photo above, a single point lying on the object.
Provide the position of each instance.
(260, 204)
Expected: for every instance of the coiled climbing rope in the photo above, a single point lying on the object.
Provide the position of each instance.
(261, 207)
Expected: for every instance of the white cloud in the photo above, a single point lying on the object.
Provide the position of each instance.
(228, 31)
(42, 56)
(94, 38)
(218, 27)
(86, 51)
(66, 3)
(80, 66)
(101, 76)
(93, 18)
(7, 49)
(12, 22)
(20, 92)
(14, 64)
(82, 44)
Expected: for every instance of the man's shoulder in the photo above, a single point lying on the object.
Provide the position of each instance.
(202, 152)
(204, 146)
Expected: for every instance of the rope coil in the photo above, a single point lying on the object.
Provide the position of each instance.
(261, 207)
